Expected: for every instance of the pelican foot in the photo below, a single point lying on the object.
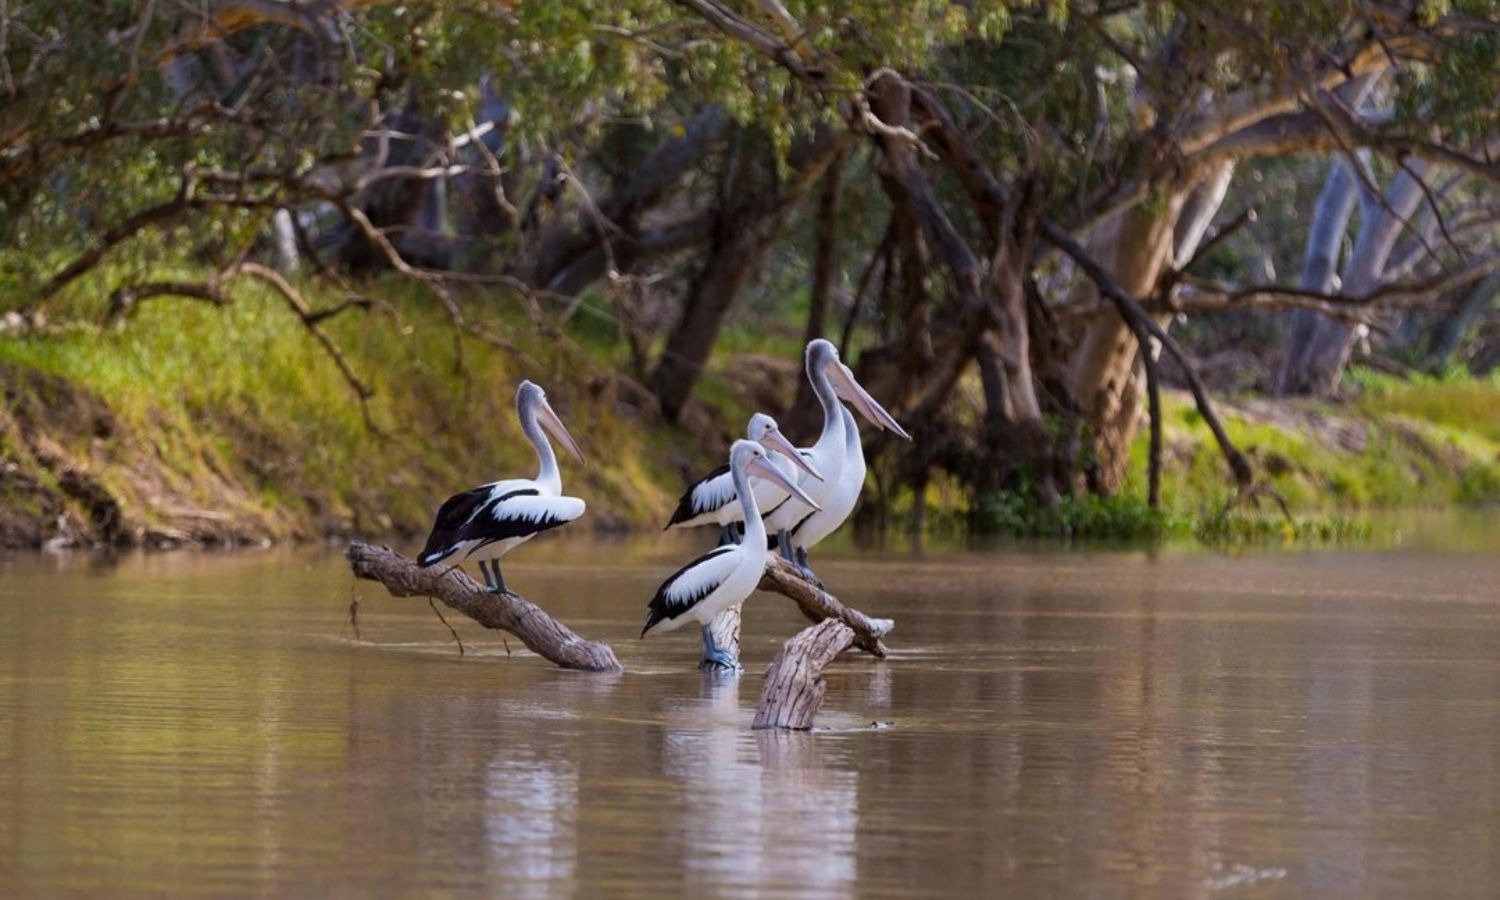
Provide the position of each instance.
(720, 663)
(812, 576)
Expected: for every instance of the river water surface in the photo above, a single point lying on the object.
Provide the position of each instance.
(1123, 723)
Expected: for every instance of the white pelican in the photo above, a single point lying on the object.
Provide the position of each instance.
(831, 454)
(723, 577)
(712, 498)
(486, 522)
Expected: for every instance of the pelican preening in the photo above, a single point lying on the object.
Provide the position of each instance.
(713, 498)
(726, 575)
(486, 522)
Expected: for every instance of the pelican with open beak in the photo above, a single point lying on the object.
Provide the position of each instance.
(712, 498)
(837, 453)
(722, 578)
(487, 522)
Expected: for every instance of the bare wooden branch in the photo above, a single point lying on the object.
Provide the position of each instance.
(542, 634)
(818, 605)
(794, 688)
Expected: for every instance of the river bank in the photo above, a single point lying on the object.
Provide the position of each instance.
(201, 425)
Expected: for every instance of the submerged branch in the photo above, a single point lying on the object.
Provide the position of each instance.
(542, 634)
(794, 687)
(818, 605)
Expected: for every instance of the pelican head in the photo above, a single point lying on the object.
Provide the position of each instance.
(750, 458)
(532, 400)
(823, 357)
(764, 431)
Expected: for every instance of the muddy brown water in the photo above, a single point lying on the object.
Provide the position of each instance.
(1100, 723)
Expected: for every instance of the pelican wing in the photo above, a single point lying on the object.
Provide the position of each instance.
(705, 495)
(484, 515)
(690, 584)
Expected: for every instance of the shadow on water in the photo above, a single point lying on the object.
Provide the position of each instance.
(1171, 722)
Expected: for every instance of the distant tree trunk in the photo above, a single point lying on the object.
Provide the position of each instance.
(825, 264)
(748, 217)
(1327, 350)
(1470, 308)
(1320, 261)
(1136, 246)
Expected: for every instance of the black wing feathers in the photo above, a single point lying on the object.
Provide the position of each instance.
(685, 508)
(464, 517)
(663, 608)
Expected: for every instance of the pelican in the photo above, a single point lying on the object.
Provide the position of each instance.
(723, 577)
(712, 498)
(832, 381)
(487, 522)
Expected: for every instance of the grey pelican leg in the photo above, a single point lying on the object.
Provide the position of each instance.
(489, 580)
(726, 535)
(499, 586)
(784, 544)
(807, 571)
(714, 658)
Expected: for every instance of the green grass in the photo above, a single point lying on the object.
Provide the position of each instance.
(244, 408)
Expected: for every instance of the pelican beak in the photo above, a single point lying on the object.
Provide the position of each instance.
(549, 420)
(851, 392)
(760, 468)
(775, 440)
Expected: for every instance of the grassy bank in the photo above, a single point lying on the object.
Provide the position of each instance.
(199, 423)
(1398, 444)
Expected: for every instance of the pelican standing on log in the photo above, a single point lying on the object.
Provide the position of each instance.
(487, 522)
(837, 453)
(725, 576)
(713, 499)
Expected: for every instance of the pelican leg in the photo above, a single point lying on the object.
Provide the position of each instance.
(807, 571)
(714, 658)
(489, 580)
(784, 545)
(726, 535)
(499, 586)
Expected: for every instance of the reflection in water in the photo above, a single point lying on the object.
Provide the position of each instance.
(1310, 724)
(763, 813)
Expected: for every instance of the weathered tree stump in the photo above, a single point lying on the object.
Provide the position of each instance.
(794, 687)
(781, 577)
(726, 632)
(544, 635)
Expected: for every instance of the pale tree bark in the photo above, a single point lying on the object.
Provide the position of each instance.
(542, 634)
(1320, 262)
(1327, 349)
(794, 688)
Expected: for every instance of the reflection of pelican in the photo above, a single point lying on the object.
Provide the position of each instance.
(761, 782)
(530, 822)
(832, 381)
(725, 576)
(713, 498)
(487, 522)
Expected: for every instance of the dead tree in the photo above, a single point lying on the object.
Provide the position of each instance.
(794, 687)
(542, 634)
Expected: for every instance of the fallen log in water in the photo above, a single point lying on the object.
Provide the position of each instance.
(781, 577)
(544, 635)
(794, 686)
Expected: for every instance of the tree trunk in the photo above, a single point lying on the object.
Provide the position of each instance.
(794, 688)
(1327, 350)
(1450, 332)
(748, 218)
(1319, 263)
(825, 264)
(1136, 246)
